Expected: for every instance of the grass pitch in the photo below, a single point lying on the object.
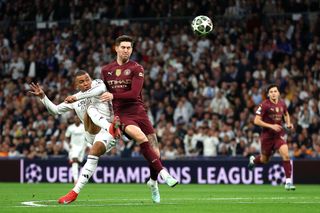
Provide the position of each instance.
(131, 198)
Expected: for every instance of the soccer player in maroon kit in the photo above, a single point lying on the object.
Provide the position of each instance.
(124, 80)
(269, 116)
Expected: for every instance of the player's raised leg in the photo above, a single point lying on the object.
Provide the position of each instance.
(97, 118)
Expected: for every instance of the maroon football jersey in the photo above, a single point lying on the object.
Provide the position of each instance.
(125, 83)
(273, 114)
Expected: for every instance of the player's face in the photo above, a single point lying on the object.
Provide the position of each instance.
(274, 93)
(77, 121)
(83, 82)
(124, 51)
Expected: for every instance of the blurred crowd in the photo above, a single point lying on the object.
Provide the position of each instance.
(201, 92)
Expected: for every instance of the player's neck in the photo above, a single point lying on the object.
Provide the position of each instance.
(275, 101)
(121, 62)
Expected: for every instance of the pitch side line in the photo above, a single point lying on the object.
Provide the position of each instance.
(241, 200)
(33, 204)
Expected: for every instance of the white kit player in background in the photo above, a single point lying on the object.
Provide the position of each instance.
(75, 136)
(96, 117)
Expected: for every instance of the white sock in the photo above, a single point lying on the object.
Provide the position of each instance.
(98, 118)
(153, 183)
(75, 171)
(86, 172)
(288, 180)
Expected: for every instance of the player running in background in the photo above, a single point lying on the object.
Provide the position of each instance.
(124, 80)
(75, 136)
(269, 116)
(96, 117)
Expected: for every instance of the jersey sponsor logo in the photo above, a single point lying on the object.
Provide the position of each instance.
(118, 72)
(115, 82)
(119, 83)
(127, 72)
(140, 74)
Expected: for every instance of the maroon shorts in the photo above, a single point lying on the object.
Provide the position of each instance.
(141, 120)
(269, 145)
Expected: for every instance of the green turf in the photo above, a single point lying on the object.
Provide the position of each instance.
(131, 198)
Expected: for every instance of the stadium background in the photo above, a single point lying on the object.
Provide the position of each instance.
(201, 92)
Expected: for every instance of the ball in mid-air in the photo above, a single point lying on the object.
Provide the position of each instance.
(202, 25)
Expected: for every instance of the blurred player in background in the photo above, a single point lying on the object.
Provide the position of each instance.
(269, 116)
(96, 117)
(75, 136)
(124, 79)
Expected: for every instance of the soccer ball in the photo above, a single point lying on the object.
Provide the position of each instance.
(202, 25)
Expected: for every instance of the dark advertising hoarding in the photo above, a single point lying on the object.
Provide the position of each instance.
(200, 171)
(137, 171)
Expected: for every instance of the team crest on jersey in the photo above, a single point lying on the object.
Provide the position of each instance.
(127, 72)
(118, 72)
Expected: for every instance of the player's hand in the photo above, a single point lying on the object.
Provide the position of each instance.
(107, 96)
(36, 90)
(70, 99)
(276, 127)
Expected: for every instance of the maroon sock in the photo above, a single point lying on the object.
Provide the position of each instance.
(153, 173)
(151, 157)
(257, 160)
(287, 168)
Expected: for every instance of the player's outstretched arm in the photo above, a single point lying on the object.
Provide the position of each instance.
(51, 107)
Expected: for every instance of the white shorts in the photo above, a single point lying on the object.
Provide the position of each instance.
(77, 152)
(104, 136)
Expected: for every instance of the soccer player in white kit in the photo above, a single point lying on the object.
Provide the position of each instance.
(75, 135)
(96, 117)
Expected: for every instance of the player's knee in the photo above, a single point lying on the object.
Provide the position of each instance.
(139, 138)
(97, 149)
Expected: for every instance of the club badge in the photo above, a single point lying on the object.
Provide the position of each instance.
(118, 72)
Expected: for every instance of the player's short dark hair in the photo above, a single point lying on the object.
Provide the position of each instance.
(80, 73)
(124, 38)
(271, 86)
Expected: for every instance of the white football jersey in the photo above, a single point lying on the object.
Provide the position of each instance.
(76, 134)
(91, 96)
